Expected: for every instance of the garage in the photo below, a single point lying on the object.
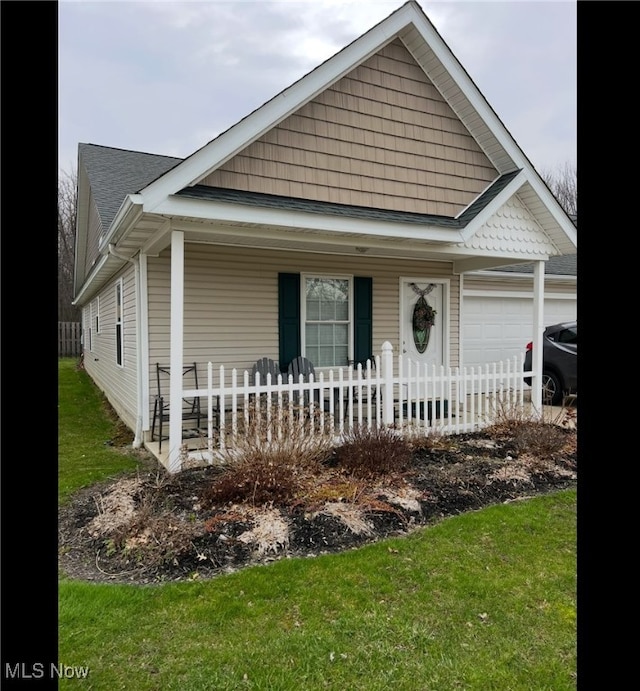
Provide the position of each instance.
(495, 328)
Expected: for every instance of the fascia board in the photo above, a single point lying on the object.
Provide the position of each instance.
(226, 212)
(89, 283)
(240, 135)
(501, 198)
(554, 208)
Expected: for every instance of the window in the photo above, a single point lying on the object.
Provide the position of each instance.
(292, 313)
(327, 320)
(119, 329)
(96, 319)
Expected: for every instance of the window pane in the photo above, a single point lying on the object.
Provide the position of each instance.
(327, 325)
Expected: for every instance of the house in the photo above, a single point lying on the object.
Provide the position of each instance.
(312, 227)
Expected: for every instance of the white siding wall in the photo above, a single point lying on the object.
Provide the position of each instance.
(118, 383)
(231, 301)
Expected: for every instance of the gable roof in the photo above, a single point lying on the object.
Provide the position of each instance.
(410, 24)
(115, 173)
(162, 187)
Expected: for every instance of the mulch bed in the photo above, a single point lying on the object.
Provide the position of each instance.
(151, 527)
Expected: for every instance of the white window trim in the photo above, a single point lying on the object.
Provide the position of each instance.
(119, 293)
(303, 313)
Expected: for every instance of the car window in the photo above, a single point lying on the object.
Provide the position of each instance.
(567, 336)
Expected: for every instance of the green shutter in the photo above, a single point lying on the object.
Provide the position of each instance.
(363, 318)
(288, 318)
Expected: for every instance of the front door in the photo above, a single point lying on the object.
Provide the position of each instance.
(424, 320)
(424, 324)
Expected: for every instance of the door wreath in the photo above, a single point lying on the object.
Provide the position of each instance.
(423, 318)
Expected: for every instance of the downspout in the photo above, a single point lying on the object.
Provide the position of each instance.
(137, 441)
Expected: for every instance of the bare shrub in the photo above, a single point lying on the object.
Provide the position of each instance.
(370, 452)
(527, 432)
(538, 439)
(433, 440)
(508, 417)
(274, 457)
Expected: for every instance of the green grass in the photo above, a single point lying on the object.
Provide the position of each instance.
(84, 425)
(486, 600)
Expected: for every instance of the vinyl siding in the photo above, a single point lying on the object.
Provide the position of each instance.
(382, 136)
(118, 383)
(231, 301)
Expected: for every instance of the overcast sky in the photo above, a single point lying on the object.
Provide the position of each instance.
(167, 77)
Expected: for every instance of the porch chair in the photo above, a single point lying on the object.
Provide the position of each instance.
(190, 406)
(265, 366)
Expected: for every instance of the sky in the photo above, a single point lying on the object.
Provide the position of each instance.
(167, 77)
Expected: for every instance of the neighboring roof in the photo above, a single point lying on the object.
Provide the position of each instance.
(115, 173)
(561, 265)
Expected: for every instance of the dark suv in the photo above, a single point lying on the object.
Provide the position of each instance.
(560, 362)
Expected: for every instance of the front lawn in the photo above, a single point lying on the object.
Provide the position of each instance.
(483, 600)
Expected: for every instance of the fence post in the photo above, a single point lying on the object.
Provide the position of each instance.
(387, 383)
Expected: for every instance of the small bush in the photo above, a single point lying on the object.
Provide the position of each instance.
(257, 478)
(272, 460)
(539, 439)
(370, 452)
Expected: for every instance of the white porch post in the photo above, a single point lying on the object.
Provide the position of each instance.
(538, 328)
(176, 345)
(386, 365)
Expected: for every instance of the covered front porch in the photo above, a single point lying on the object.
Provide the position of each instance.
(389, 390)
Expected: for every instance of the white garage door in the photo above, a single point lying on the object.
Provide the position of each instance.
(497, 328)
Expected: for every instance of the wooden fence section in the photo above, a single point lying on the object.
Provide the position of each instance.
(69, 339)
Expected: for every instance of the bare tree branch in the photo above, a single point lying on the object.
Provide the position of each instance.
(67, 197)
(563, 182)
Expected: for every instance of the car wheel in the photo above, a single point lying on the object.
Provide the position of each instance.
(551, 389)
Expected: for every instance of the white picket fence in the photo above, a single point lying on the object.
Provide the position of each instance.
(416, 397)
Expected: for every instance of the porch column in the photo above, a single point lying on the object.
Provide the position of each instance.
(176, 349)
(538, 328)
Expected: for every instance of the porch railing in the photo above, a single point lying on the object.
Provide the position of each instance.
(417, 397)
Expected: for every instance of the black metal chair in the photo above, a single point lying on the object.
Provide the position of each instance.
(191, 409)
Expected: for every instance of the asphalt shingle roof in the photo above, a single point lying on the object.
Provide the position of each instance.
(115, 173)
(281, 202)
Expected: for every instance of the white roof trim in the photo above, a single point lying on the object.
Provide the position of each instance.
(226, 145)
(288, 218)
(496, 203)
(408, 19)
